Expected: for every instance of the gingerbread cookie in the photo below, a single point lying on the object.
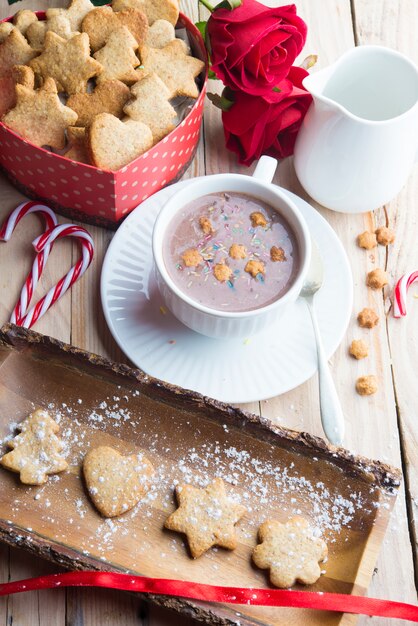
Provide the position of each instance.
(116, 483)
(153, 9)
(75, 13)
(191, 257)
(118, 58)
(111, 144)
(277, 255)
(258, 219)
(36, 451)
(238, 251)
(58, 24)
(385, 235)
(367, 240)
(18, 75)
(160, 34)
(291, 552)
(102, 21)
(151, 106)
(76, 136)
(5, 30)
(108, 97)
(206, 516)
(222, 272)
(367, 385)
(175, 68)
(23, 18)
(359, 349)
(367, 318)
(39, 116)
(377, 279)
(255, 267)
(67, 61)
(14, 50)
(206, 225)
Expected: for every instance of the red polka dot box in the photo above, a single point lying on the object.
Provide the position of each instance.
(89, 194)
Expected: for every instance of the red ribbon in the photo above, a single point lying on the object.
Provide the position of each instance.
(341, 603)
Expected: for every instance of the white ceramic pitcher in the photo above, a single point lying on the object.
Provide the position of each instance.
(359, 139)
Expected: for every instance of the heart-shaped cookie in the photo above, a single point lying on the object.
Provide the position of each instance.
(102, 21)
(115, 482)
(112, 144)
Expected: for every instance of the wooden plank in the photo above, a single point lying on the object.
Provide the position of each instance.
(330, 34)
(44, 608)
(390, 24)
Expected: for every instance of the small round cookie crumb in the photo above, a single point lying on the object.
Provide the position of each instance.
(191, 257)
(366, 385)
(238, 251)
(367, 240)
(255, 267)
(385, 235)
(258, 219)
(222, 272)
(206, 225)
(359, 349)
(277, 254)
(367, 318)
(377, 279)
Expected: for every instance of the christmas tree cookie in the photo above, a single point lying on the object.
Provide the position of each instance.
(36, 451)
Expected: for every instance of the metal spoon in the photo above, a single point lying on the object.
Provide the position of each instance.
(332, 416)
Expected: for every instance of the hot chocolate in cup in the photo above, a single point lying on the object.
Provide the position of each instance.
(231, 252)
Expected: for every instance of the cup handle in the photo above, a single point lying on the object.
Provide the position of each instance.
(265, 170)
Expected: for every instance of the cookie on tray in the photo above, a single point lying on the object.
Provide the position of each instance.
(206, 516)
(36, 451)
(14, 50)
(18, 75)
(75, 12)
(118, 57)
(114, 482)
(291, 551)
(76, 136)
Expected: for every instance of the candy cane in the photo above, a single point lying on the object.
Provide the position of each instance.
(400, 293)
(55, 293)
(34, 275)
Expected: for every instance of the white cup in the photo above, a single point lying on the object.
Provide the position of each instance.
(220, 323)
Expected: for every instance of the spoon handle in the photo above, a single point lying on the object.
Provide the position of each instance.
(332, 416)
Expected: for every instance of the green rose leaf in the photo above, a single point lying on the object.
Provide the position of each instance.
(228, 4)
(202, 26)
(220, 101)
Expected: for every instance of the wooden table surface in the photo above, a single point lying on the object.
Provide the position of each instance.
(383, 426)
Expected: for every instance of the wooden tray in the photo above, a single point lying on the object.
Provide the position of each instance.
(276, 473)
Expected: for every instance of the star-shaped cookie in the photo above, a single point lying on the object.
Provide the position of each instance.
(67, 61)
(206, 516)
(175, 68)
(14, 50)
(151, 106)
(39, 116)
(291, 552)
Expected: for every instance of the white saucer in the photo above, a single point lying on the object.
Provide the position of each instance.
(234, 370)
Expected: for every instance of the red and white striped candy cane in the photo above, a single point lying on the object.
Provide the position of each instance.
(400, 293)
(38, 265)
(55, 293)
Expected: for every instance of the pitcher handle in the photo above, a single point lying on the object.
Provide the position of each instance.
(265, 170)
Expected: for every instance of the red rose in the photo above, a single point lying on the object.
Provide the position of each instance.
(253, 46)
(257, 125)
